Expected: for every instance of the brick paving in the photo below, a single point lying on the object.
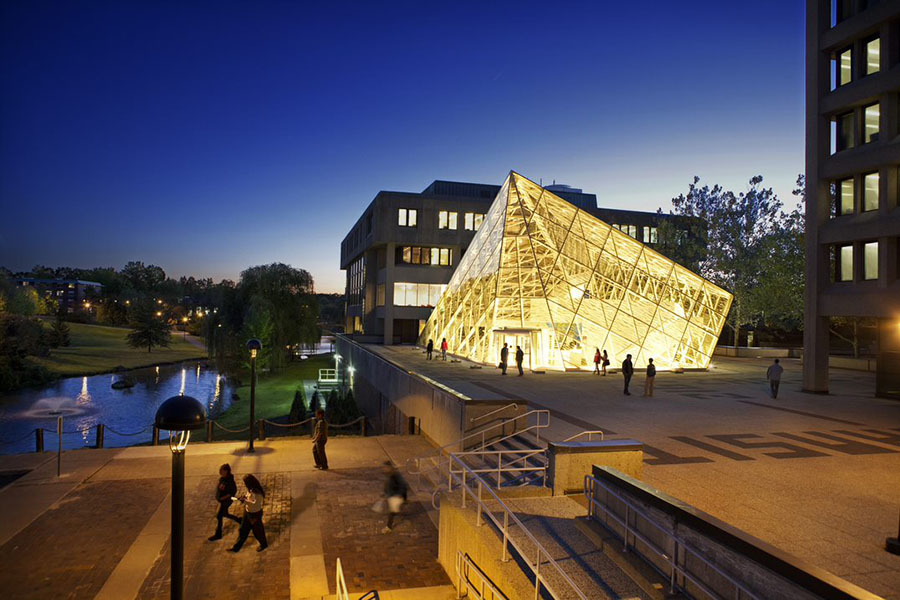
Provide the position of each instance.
(69, 551)
(213, 572)
(404, 558)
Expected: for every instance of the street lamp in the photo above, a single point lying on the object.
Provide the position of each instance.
(254, 346)
(184, 321)
(179, 415)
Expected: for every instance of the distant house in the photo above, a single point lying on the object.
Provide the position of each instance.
(70, 294)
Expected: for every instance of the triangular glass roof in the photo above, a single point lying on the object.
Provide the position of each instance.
(557, 281)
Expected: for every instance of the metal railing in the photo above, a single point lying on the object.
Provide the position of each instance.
(542, 557)
(676, 568)
(464, 564)
(590, 435)
(536, 427)
(519, 465)
(493, 412)
(340, 586)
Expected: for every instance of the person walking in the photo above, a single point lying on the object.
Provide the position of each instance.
(604, 362)
(253, 512)
(520, 358)
(504, 357)
(773, 374)
(429, 349)
(597, 359)
(651, 378)
(627, 371)
(225, 491)
(320, 438)
(395, 492)
(444, 347)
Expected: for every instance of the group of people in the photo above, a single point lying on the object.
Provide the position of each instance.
(429, 349)
(504, 359)
(252, 503)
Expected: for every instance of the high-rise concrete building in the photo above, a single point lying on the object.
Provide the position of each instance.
(852, 180)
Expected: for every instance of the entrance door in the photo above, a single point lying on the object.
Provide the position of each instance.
(517, 338)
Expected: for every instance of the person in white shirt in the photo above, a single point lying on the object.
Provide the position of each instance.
(773, 374)
(253, 510)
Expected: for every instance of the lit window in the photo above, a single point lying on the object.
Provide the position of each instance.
(469, 222)
(845, 263)
(435, 256)
(871, 114)
(407, 254)
(873, 56)
(417, 294)
(846, 200)
(870, 197)
(845, 67)
(650, 235)
(844, 138)
(870, 260)
(406, 217)
(479, 219)
(445, 257)
(446, 219)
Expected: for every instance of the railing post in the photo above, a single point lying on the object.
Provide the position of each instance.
(505, 557)
(463, 488)
(39, 439)
(674, 560)
(154, 440)
(261, 425)
(627, 519)
(537, 576)
(100, 434)
(499, 454)
(478, 520)
(209, 431)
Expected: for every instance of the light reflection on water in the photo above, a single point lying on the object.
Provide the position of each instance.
(84, 402)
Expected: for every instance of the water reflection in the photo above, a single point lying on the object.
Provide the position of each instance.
(84, 397)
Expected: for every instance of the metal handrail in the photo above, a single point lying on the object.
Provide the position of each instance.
(463, 563)
(509, 467)
(493, 412)
(590, 435)
(504, 527)
(536, 427)
(740, 590)
(340, 586)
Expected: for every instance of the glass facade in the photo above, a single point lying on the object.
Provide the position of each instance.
(542, 274)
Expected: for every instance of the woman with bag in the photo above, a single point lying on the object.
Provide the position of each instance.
(605, 362)
(597, 359)
(253, 511)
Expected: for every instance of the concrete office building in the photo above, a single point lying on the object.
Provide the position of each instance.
(70, 294)
(400, 254)
(852, 161)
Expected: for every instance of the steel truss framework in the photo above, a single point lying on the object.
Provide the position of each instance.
(561, 283)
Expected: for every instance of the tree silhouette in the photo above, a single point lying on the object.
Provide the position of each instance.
(147, 328)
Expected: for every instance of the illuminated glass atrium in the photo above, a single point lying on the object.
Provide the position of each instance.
(555, 280)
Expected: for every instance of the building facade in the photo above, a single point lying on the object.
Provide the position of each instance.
(400, 254)
(70, 294)
(852, 180)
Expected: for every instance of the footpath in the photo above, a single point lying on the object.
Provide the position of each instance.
(101, 529)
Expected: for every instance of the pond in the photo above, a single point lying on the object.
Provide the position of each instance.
(83, 402)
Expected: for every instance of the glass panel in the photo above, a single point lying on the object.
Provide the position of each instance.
(873, 56)
(870, 260)
(845, 132)
(407, 254)
(416, 256)
(469, 221)
(479, 218)
(845, 266)
(401, 217)
(452, 220)
(435, 256)
(870, 199)
(871, 114)
(442, 219)
(411, 219)
(847, 200)
(845, 70)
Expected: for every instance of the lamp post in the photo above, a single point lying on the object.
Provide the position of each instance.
(337, 376)
(179, 415)
(254, 346)
(184, 321)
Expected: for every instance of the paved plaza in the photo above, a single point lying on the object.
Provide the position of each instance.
(815, 475)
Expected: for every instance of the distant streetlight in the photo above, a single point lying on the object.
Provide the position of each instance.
(184, 321)
(178, 415)
(159, 313)
(254, 346)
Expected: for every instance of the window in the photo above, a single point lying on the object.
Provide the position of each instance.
(846, 201)
(841, 11)
(845, 263)
(472, 221)
(870, 261)
(650, 235)
(870, 195)
(873, 56)
(870, 120)
(418, 294)
(844, 138)
(406, 217)
(446, 219)
(630, 230)
(415, 255)
(845, 67)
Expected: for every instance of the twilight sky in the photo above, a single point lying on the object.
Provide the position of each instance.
(209, 137)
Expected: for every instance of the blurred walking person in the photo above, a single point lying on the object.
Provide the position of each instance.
(253, 513)
(773, 374)
(395, 492)
(320, 438)
(225, 491)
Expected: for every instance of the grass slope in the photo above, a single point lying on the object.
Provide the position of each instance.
(98, 349)
(274, 393)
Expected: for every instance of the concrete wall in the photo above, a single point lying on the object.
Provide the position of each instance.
(757, 352)
(571, 461)
(762, 569)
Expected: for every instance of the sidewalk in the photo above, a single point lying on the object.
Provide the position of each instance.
(102, 528)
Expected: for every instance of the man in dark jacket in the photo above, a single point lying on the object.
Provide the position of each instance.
(520, 358)
(504, 358)
(225, 491)
(429, 349)
(627, 371)
(395, 491)
(320, 438)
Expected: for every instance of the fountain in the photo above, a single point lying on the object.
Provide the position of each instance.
(58, 406)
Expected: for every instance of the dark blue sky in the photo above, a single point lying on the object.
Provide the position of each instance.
(208, 137)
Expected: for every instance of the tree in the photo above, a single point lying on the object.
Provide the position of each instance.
(148, 329)
(59, 333)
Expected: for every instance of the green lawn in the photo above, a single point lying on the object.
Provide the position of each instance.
(274, 393)
(98, 349)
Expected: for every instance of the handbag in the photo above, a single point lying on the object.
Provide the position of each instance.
(380, 505)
